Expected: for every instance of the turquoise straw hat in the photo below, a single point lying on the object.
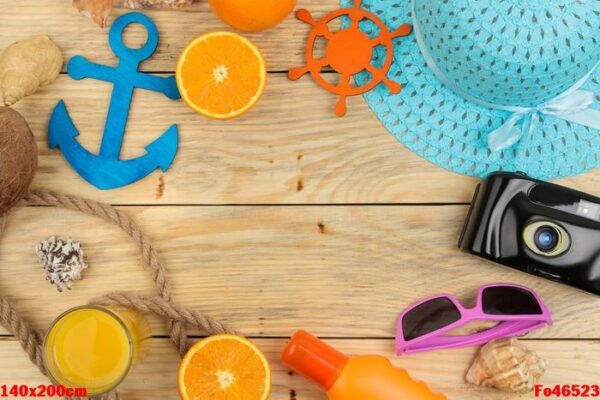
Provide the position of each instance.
(494, 84)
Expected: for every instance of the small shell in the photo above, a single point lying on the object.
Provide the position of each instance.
(97, 10)
(156, 3)
(62, 260)
(506, 364)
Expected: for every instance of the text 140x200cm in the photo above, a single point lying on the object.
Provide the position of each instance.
(21, 391)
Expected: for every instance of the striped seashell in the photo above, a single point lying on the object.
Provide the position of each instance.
(506, 364)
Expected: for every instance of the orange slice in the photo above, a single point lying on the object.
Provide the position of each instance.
(221, 75)
(224, 367)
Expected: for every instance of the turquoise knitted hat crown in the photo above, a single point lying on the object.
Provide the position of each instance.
(494, 84)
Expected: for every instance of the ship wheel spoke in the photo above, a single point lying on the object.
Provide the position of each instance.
(403, 30)
(393, 87)
(322, 63)
(305, 16)
(325, 32)
(344, 86)
(372, 69)
(297, 73)
(378, 41)
(316, 65)
(340, 107)
(355, 18)
(345, 81)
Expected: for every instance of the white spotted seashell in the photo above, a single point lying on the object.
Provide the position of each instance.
(506, 364)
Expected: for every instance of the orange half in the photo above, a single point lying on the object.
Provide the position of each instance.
(224, 367)
(221, 75)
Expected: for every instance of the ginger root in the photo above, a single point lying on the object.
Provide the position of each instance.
(26, 65)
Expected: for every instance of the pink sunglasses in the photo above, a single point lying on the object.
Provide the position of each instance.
(423, 326)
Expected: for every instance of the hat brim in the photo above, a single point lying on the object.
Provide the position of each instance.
(439, 125)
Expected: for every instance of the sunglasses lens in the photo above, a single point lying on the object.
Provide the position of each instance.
(507, 300)
(429, 317)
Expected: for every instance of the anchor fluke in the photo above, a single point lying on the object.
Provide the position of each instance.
(56, 135)
(164, 149)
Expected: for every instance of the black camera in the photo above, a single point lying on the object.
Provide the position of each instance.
(536, 227)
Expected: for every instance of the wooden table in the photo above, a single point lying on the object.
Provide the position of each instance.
(286, 218)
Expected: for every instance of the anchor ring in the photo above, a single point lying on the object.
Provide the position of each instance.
(117, 44)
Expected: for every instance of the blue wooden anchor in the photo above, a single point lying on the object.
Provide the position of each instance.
(106, 170)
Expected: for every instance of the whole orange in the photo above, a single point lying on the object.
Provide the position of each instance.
(252, 15)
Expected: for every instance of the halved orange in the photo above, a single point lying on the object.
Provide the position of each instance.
(224, 367)
(221, 75)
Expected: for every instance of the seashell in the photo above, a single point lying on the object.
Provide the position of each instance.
(62, 260)
(99, 10)
(157, 3)
(96, 10)
(506, 364)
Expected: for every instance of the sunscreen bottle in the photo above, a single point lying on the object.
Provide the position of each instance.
(352, 378)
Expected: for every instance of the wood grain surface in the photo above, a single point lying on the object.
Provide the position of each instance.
(259, 268)
(286, 218)
(283, 151)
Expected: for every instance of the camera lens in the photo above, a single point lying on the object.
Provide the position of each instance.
(546, 238)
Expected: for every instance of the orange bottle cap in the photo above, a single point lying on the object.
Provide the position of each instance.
(314, 359)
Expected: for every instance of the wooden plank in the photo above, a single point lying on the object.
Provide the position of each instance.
(336, 270)
(285, 151)
(569, 362)
(282, 46)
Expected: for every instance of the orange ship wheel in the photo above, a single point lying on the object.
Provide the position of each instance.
(349, 51)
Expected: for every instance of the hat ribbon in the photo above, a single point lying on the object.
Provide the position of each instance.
(574, 105)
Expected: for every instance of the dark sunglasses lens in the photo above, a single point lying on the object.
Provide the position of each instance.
(429, 317)
(507, 300)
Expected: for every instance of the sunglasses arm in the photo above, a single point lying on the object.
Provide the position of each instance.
(502, 330)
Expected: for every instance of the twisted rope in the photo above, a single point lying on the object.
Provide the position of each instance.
(165, 309)
(30, 340)
(162, 305)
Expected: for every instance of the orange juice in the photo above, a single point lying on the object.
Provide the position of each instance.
(94, 347)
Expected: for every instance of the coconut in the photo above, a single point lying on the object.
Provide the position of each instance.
(18, 158)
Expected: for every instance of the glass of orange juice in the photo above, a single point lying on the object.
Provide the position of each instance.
(95, 347)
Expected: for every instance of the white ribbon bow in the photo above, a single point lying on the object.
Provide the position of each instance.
(573, 107)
